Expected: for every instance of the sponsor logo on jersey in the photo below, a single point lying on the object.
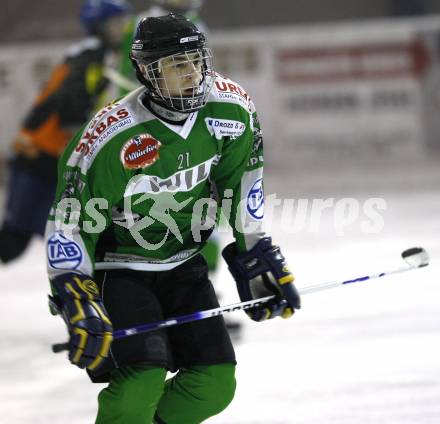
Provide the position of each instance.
(73, 183)
(63, 253)
(101, 127)
(106, 124)
(122, 257)
(258, 140)
(225, 128)
(140, 152)
(256, 160)
(228, 87)
(184, 180)
(255, 200)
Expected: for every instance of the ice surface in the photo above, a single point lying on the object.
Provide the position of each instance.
(366, 353)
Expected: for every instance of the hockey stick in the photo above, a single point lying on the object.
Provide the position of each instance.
(415, 257)
(119, 80)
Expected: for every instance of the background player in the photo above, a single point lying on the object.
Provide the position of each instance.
(64, 104)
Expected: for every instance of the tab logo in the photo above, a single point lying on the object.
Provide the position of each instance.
(63, 253)
(255, 200)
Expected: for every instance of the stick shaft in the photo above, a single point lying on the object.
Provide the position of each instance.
(170, 322)
(249, 304)
(196, 316)
(119, 80)
(333, 284)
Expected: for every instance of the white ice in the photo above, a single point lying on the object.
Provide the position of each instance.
(361, 354)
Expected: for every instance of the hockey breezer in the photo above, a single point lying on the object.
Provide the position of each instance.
(415, 257)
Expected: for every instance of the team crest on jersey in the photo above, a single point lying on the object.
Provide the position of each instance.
(140, 152)
(63, 253)
(255, 200)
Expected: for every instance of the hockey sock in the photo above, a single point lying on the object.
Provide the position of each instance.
(132, 395)
(197, 393)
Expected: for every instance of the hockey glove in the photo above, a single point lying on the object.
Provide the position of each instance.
(262, 271)
(90, 329)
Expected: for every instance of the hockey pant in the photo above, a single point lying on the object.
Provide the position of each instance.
(140, 395)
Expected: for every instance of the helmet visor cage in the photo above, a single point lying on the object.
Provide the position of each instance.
(182, 80)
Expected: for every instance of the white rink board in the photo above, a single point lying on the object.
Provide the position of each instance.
(352, 90)
(340, 92)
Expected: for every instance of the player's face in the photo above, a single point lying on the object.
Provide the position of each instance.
(180, 75)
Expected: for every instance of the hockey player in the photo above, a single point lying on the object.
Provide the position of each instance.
(63, 105)
(190, 9)
(129, 220)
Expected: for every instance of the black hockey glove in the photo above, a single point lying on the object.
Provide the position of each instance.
(77, 298)
(260, 272)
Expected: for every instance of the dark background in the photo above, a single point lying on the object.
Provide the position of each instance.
(25, 20)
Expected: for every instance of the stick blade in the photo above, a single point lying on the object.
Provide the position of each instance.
(416, 257)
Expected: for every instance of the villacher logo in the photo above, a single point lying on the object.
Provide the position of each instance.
(140, 152)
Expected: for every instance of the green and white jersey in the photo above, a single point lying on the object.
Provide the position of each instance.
(137, 192)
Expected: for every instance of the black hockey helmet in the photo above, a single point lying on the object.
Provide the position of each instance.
(175, 38)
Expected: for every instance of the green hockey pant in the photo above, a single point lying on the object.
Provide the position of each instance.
(139, 394)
